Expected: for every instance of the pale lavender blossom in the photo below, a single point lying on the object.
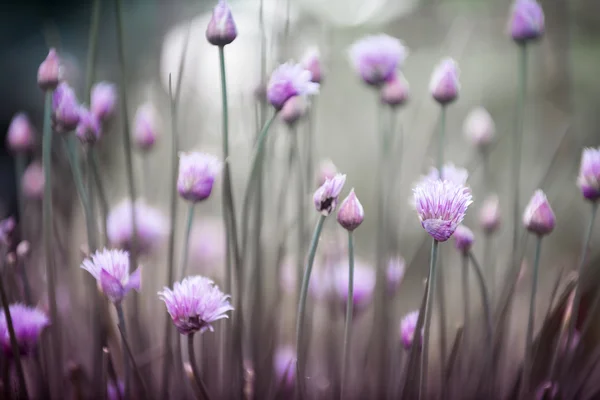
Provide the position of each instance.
(479, 128)
(65, 108)
(327, 170)
(489, 214)
(145, 127)
(589, 174)
(208, 243)
(538, 217)
(197, 173)
(195, 303)
(88, 128)
(311, 61)
(326, 196)
(395, 91)
(294, 109)
(110, 268)
(289, 80)
(395, 274)
(408, 325)
(103, 100)
(463, 239)
(284, 362)
(28, 324)
(526, 21)
(444, 85)
(351, 213)
(19, 138)
(376, 58)
(364, 284)
(32, 182)
(317, 287)
(441, 206)
(221, 29)
(49, 72)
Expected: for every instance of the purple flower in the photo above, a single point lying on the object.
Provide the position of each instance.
(208, 243)
(351, 212)
(110, 268)
(195, 303)
(395, 274)
(489, 215)
(479, 128)
(526, 21)
(312, 62)
(364, 284)
(145, 127)
(376, 58)
(284, 363)
(88, 129)
(463, 239)
(395, 92)
(538, 217)
(20, 134)
(589, 174)
(49, 72)
(441, 206)
(294, 109)
(197, 172)
(103, 101)
(317, 286)
(326, 196)
(444, 85)
(287, 81)
(32, 182)
(28, 323)
(408, 325)
(65, 108)
(151, 226)
(221, 29)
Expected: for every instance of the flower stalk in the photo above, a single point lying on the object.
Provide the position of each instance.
(349, 311)
(427, 323)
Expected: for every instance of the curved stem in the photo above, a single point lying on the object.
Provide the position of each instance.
(349, 311)
(123, 330)
(186, 243)
(195, 371)
(300, 367)
(428, 310)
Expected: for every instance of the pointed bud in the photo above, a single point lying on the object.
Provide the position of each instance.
(444, 84)
(489, 215)
(395, 92)
(589, 174)
(104, 99)
(312, 62)
(294, 109)
(526, 21)
(463, 239)
(538, 217)
(197, 173)
(479, 128)
(351, 213)
(20, 134)
(327, 170)
(145, 129)
(49, 73)
(88, 129)
(65, 108)
(326, 197)
(221, 28)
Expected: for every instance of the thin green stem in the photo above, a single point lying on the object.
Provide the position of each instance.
(128, 354)
(93, 165)
(300, 363)
(123, 330)
(195, 371)
(440, 148)
(300, 250)
(349, 311)
(531, 320)
(428, 311)
(20, 164)
(466, 302)
(92, 46)
(186, 240)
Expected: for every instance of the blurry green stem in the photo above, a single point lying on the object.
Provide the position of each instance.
(93, 165)
(466, 302)
(349, 311)
(428, 310)
(20, 164)
(301, 196)
(195, 371)
(441, 138)
(186, 240)
(123, 330)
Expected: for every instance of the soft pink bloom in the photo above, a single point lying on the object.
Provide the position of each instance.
(463, 239)
(395, 91)
(197, 173)
(104, 100)
(538, 217)
(289, 80)
(326, 197)
(49, 72)
(312, 62)
(28, 324)
(88, 128)
(294, 109)
(207, 243)
(526, 21)
(20, 134)
(408, 326)
(364, 284)
(479, 128)
(376, 58)
(444, 85)
(221, 29)
(489, 214)
(110, 268)
(145, 127)
(351, 213)
(589, 174)
(32, 181)
(66, 108)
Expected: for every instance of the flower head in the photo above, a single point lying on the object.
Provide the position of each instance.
(395, 92)
(145, 127)
(376, 58)
(363, 288)
(444, 84)
(49, 72)
(526, 21)
(489, 214)
(395, 273)
(284, 364)
(479, 128)
(351, 212)
(408, 326)
(463, 239)
(441, 206)
(289, 80)
(221, 29)
(312, 62)
(28, 324)
(197, 172)
(326, 196)
(538, 217)
(104, 99)
(88, 128)
(327, 170)
(32, 182)
(20, 134)
(589, 174)
(194, 304)
(110, 268)
(65, 108)
(294, 109)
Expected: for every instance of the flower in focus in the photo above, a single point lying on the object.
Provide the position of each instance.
(49, 72)
(284, 362)
(526, 21)
(197, 172)
(327, 170)
(444, 85)
(88, 128)
(221, 29)
(151, 226)
(395, 274)
(32, 182)
(589, 174)
(489, 215)
(195, 303)
(395, 91)
(538, 217)
(294, 109)
(19, 138)
(326, 196)
(364, 284)
(103, 100)
(408, 325)
(28, 324)
(65, 108)
(351, 212)
(110, 268)
(312, 62)
(479, 128)
(463, 239)
(289, 80)
(450, 173)
(441, 206)
(145, 127)
(376, 58)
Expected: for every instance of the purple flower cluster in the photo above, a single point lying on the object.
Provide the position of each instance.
(377, 58)
(28, 323)
(289, 80)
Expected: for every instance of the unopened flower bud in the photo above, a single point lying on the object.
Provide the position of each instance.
(526, 21)
(538, 217)
(479, 128)
(351, 213)
(395, 92)
(326, 197)
(489, 214)
(88, 129)
(327, 170)
(444, 84)
(376, 58)
(49, 73)
(197, 172)
(103, 100)
(221, 28)
(20, 134)
(589, 174)
(463, 239)
(65, 108)
(145, 130)
(33, 181)
(312, 62)
(294, 109)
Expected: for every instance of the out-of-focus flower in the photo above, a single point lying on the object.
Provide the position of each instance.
(376, 58)
(207, 243)
(317, 286)
(197, 173)
(326, 196)
(489, 215)
(103, 100)
(110, 268)
(88, 128)
(408, 325)
(589, 174)
(23, 249)
(364, 284)
(463, 239)
(327, 170)
(538, 217)
(289, 80)
(20, 134)
(311, 61)
(145, 127)
(294, 109)
(526, 21)
(7, 229)
(444, 85)
(395, 91)
(479, 128)
(28, 324)
(395, 274)
(284, 363)
(450, 173)
(49, 72)
(221, 29)
(32, 182)
(115, 392)
(351, 212)
(65, 108)
(441, 206)
(195, 303)
(151, 226)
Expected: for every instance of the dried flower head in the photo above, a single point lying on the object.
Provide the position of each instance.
(20, 134)
(327, 170)
(289, 80)
(376, 58)
(28, 323)
(32, 182)
(395, 274)
(103, 100)
(221, 29)
(408, 326)
(145, 127)
(444, 85)
(197, 173)
(538, 217)
(110, 268)
(395, 91)
(351, 212)
(441, 206)
(88, 129)
(294, 109)
(49, 72)
(489, 214)
(311, 61)
(326, 196)
(195, 303)
(526, 21)
(284, 362)
(463, 239)
(65, 108)
(589, 174)
(479, 128)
